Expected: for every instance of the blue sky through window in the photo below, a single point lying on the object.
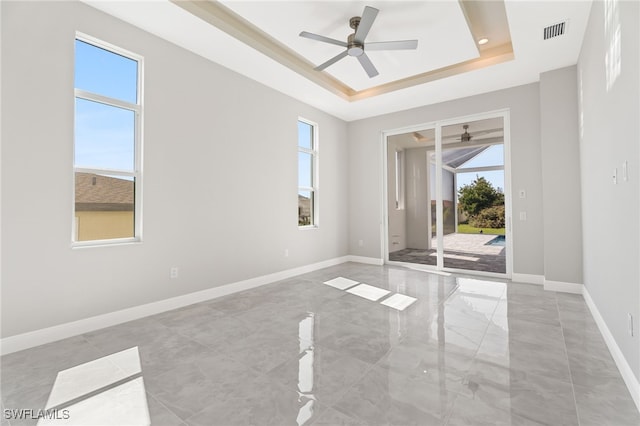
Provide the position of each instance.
(104, 134)
(105, 73)
(492, 156)
(305, 161)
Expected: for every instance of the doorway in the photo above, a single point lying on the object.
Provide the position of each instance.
(447, 195)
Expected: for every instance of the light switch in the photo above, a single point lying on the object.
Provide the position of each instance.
(523, 194)
(523, 215)
(615, 176)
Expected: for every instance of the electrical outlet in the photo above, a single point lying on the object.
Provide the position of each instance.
(615, 176)
(625, 171)
(630, 325)
(174, 272)
(523, 216)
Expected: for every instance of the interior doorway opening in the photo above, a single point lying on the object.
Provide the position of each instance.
(447, 198)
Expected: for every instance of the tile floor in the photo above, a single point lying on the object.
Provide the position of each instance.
(467, 352)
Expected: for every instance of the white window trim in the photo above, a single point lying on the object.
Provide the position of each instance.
(314, 188)
(137, 108)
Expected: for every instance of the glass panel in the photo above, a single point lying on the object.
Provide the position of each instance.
(474, 215)
(491, 156)
(411, 211)
(105, 73)
(105, 136)
(305, 169)
(305, 135)
(305, 208)
(104, 207)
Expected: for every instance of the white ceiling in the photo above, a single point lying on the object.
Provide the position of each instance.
(428, 22)
(444, 38)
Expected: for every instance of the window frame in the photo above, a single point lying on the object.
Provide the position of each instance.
(313, 189)
(136, 174)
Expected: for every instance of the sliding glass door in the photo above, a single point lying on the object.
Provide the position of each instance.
(448, 207)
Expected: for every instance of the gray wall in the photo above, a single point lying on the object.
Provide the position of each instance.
(365, 173)
(610, 111)
(561, 176)
(220, 176)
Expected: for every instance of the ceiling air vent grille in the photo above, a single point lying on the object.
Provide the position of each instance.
(555, 30)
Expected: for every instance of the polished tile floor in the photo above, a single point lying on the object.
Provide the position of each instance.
(466, 352)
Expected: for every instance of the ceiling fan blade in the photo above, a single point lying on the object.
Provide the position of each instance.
(366, 21)
(324, 39)
(393, 45)
(331, 61)
(487, 131)
(367, 65)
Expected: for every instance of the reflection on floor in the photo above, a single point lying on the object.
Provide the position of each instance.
(301, 352)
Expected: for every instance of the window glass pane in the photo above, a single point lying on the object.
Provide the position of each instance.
(105, 136)
(492, 156)
(105, 73)
(305, 169)
(305, 208)
(305, 135)
(104, 207)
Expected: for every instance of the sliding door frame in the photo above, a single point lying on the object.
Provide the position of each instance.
(437, 126)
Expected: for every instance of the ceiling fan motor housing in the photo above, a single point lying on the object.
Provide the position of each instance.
(353, 47)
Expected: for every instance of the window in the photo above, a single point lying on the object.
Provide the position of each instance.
(307, 174)
(107, 146)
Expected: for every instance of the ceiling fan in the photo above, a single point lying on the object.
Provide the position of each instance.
(464, 137)
(356, 45)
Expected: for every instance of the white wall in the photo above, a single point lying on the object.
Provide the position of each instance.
(365, 173)
(220, 176)
(610, 120)
(561, 176)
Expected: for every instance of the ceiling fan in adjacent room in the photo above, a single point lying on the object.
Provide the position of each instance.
(356, 45)
(464, 137)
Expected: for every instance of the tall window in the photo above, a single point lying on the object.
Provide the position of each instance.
(307, 174)
(107, 147)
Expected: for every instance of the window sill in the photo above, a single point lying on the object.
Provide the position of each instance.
(307, 227)
(105, 243)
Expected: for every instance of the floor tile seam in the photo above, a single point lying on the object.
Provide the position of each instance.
(566, 351)
(162, 404)
(348, 388)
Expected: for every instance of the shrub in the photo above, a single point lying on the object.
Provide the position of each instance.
(479, 195)
(491, 217)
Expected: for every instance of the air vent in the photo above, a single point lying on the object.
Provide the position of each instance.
(555, 30)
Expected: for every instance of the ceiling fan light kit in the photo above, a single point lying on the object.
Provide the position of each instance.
(356, 46)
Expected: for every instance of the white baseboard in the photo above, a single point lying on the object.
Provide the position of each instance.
(527, 278)
(625, 370)
(367, 260)
(51, 334)
(563, 287)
